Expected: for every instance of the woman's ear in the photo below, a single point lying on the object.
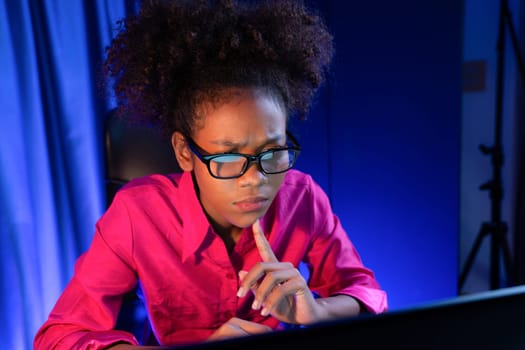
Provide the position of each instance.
(182, 151)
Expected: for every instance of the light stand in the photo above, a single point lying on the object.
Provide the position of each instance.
(496, 228)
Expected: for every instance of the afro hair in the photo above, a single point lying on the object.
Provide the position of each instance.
(174, 55)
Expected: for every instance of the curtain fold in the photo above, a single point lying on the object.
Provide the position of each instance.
(51, 157)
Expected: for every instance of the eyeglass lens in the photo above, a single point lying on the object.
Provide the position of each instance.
(273, 161)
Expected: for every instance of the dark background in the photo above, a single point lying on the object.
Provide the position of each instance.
(383, 140)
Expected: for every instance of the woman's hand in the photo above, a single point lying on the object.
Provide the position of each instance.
(236, 327)
(137, 347)
(279, 288)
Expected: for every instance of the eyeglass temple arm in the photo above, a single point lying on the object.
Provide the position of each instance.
(293, 139)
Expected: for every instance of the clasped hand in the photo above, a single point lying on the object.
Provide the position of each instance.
(279, 288)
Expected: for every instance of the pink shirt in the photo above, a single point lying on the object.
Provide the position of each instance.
(156, 232)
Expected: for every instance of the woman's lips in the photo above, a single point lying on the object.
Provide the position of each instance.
(252, 204)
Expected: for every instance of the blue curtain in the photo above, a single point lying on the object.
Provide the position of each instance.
(51, 157)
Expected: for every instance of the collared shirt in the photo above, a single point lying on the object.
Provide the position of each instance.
(156, 234)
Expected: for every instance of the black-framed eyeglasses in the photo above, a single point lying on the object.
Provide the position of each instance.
(233, 165)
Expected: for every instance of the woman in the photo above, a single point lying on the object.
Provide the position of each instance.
(215, 250)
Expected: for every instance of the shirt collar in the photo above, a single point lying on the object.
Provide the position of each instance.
(194, 221)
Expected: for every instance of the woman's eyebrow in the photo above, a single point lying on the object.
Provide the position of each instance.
(233, 144)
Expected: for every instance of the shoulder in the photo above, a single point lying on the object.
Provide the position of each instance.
(297, 182)
(299, 187)
(150, 187)
(152, 182)
(297, 178)
(143, 203)
(302, 204)
(150, 192)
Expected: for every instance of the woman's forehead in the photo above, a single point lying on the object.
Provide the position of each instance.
(244, 109)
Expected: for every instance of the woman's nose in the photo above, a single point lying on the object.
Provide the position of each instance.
(253, 175)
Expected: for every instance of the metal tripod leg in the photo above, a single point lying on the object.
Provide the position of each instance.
(484, 231)
(498, 231)
(501, 231)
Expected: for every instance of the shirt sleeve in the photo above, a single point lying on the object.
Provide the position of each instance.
(85, 314)
(334, 262)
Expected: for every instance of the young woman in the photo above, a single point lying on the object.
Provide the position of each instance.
(215, 250)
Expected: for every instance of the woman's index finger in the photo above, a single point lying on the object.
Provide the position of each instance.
(265, 250)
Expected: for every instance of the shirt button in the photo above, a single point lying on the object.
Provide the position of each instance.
(230, 276)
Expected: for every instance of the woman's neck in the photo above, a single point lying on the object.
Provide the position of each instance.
(229, 235)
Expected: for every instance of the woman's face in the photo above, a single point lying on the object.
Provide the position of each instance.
(249, 123)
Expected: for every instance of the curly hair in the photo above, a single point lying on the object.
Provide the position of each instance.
(174, 55)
